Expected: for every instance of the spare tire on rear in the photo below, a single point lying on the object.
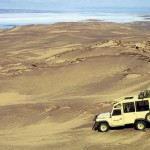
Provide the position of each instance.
(147, 117)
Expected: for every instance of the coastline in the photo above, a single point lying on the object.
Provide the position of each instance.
(21, 19)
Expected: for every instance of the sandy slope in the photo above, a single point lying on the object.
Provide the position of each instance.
(54, 79)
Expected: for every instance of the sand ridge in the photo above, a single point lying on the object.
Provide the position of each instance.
(55, 78)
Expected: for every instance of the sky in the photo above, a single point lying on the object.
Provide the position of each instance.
(72, 4)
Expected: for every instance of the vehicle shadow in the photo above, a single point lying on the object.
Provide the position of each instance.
(130, 126)
(148, 125)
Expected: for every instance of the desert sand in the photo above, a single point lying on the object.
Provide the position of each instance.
(55, 78)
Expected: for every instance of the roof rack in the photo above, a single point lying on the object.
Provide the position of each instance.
(122, 99)
(143, 94)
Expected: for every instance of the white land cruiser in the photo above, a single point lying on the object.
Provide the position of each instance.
(128, 110)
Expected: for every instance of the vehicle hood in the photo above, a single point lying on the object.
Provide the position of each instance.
(104, 115)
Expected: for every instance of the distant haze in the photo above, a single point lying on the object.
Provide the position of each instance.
(25, 12)
(72, 4)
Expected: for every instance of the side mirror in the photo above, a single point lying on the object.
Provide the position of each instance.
(110, 115)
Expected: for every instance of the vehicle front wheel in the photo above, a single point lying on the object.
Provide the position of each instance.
(103, 127)
(140, 125)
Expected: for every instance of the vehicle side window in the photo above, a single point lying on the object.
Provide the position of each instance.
(116, 112)
(142, 106)
(128, 107)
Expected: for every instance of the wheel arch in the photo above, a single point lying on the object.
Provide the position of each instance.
(104, 122)
(139, 119)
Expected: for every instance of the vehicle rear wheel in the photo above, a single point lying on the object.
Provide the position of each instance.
(103, 127)
(140, 125)
(147, 118)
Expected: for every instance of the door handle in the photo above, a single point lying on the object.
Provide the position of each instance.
(118, 119)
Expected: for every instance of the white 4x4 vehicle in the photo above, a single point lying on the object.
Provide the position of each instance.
(128, 110)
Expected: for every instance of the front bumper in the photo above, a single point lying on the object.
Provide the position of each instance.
(95, 126)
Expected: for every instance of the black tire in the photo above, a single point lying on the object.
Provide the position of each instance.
(147, 118)
(103, 127)
(140, 125)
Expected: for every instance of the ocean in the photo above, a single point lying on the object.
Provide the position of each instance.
(13, 18)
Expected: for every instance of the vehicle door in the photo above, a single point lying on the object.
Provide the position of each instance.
(142, 108)
(116, 117)
(129, 114)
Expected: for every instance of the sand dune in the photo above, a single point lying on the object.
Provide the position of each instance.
(54, 79)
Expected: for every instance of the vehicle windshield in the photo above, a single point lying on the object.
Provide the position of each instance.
(117, 106)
